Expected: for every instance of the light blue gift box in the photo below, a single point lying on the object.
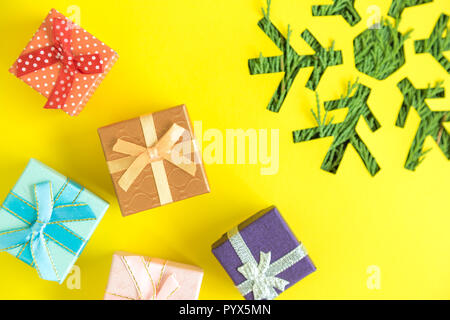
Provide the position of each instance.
(47, 219)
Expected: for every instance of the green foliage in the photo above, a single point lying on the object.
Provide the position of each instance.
(344, 8)
(397, 6)
(379, 52)
(290, 62)
(431, 122)
(344, 133)
(438, 42)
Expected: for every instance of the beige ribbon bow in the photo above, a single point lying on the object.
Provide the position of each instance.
(139, 157)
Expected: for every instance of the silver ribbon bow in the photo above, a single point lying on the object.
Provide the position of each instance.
(261, 277)
(262, 284)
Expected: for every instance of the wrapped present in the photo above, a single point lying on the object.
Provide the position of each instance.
(262, 256)
(64, 63)
(135, 277)
(46, 220)
(153, 160)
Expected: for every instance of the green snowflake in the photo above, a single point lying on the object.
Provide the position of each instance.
(379, 53)
(290, 62)
(344, 133)
(344, 8)
(431, 122)
(438, 42)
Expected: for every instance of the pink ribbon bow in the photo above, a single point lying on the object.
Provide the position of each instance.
(60, 51)
(150, 279)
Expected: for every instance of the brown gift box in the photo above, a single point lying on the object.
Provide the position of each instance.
(159, 182)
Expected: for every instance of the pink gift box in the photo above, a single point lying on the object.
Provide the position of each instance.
(135, 277)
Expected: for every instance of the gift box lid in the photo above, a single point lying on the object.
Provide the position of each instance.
(36, 172)
(144, 191)
(265, 231)
(83, 43)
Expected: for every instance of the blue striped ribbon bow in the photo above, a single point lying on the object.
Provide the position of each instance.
(44, 222)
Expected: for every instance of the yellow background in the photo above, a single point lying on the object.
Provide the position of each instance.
(196, 52)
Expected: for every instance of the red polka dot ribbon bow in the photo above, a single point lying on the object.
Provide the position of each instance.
(60, 52)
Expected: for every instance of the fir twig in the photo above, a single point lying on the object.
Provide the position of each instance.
(344, 133)
(323, 123)
(397, 6)
(379, 52)
(438, 42)
(290, 62)
(441, 130)
(431, 122)
(344, 8)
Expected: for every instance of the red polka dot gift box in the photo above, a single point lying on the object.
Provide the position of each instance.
(64, 63)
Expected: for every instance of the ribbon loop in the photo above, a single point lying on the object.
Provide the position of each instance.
(89, 63)
(264, 262)
(167, 288)
(44, 201)
(128, 148)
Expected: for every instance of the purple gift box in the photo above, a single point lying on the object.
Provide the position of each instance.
(262, 256)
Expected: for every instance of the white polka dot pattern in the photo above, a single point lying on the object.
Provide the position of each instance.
(89, 57)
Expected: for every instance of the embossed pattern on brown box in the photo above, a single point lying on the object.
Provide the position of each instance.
(143, 193)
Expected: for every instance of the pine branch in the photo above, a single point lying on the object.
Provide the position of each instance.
(379, 52)
(438, 42)
(431, 122)
(344, 8)
(397, 6)
(323, 123)
(321, 60)
(344, 133)
(290, 62)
